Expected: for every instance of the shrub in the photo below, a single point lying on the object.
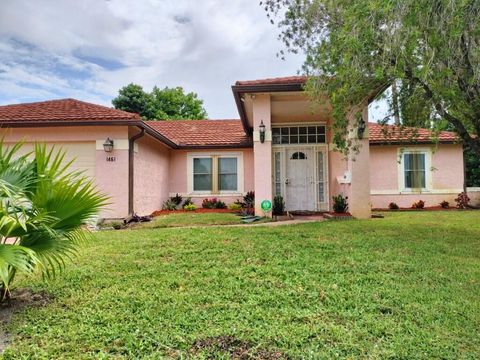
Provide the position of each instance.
(187, 201)
(445, 204)
(235, 206)
(177, 199)
(278, 205)
(393, 206)
(340, 203)
(249, 199)
(420, 204)
(169, 204)
(213, 203)
(220, 205)
(44, 205)
(190, 207)
(117, 225)
(462, 200)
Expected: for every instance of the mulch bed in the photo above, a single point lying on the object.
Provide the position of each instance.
(196, 211)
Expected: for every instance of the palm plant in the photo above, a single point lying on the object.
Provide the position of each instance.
(43, 206)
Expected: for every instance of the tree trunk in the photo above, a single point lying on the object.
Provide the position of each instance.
(396, 108)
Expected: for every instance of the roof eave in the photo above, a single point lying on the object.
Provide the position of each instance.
(53, 123)
(238, 90)
(215, 146)
(430, 142)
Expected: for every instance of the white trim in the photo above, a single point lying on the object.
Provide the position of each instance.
(473, 189)
(314, 148)
(299, 123)
(423, 192)
(220, 154)
(401, 151)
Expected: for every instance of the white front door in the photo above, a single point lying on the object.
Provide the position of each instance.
(300, 179)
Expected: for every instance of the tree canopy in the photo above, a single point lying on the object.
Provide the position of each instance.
(431, 47)
(160, 104)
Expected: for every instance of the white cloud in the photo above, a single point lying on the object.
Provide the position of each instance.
(88, 49)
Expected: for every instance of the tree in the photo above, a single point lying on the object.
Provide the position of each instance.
(134, 99)
(42, 209)
(352, 47)
(160, 104)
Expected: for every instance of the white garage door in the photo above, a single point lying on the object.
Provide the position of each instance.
(82, 154)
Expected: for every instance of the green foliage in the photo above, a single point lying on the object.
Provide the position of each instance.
(42, 208)
(235, 206)
(134, 99)
(170, 205)
(402, 287)
(356, 49)
(190, 207)
(472, 167)
(177, 199)
(160, 104)
(278, 205)
(173, 103)
(187, 201)
(340, 203)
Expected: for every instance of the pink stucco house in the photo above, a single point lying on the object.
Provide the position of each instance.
(293, 156)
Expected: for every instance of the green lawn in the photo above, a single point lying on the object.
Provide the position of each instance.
(403, 287)
(192, 219)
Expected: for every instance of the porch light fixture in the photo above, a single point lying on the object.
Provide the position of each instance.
(361, 128)
(108, 145)
(261, 129)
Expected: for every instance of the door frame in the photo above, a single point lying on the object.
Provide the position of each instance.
(282, 149)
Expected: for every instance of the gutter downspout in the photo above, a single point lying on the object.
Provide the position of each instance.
(131, 153)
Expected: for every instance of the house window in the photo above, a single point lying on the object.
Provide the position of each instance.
(278, 173)
(202, 174)
(214, 173)
(414, 170)
(227, 174)
(299, 135)
(298, 156)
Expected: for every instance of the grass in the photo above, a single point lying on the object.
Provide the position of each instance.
(194, 219)
(403, 287)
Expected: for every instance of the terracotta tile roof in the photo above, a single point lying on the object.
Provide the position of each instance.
(203, 133)
(63, 110)
(382, 134)
(275, 81)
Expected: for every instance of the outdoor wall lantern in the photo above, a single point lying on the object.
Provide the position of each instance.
(361, 128)
(261, 129)
(108, 145)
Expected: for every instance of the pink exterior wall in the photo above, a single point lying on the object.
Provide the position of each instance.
(111, 178)
(178, 174)
(151, 175)
(447, 176)
(262, 152)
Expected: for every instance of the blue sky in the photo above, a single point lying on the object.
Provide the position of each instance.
(89, 49)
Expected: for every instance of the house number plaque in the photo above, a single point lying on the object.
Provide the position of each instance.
(111, 159)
